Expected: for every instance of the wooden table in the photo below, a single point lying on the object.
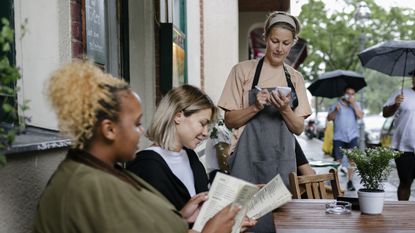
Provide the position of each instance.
(309, 216)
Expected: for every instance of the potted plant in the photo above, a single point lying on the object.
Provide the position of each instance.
(373, 167)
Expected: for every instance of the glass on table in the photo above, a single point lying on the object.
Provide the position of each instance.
(339, 207)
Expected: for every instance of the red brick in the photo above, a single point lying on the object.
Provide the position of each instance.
(75, 11)
(77, 49)
(76, 31)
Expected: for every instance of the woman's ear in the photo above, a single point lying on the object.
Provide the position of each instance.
(178, 117)
(108, 129)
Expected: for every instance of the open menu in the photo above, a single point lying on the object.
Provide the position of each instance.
(255, 202)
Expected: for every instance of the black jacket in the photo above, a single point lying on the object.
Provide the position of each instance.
(151, 167)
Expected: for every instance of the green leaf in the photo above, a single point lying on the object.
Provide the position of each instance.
(6, 47)
(5, 21)
(7, 107)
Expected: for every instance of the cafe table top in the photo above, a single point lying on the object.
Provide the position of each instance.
(305, 215)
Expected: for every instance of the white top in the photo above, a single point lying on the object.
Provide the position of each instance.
(179, 164)
(223, 135)
(404, 121)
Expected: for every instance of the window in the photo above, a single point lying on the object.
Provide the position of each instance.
(6, 12)
(106, 26)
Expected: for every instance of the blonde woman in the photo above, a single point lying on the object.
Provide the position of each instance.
(88, 192)
(170, 165)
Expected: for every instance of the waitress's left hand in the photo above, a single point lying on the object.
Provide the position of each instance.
(279, 101)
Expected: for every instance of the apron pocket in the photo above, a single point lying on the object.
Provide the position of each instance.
(265, 170)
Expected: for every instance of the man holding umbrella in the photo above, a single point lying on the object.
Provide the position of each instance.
(345, 114)
(402, 104)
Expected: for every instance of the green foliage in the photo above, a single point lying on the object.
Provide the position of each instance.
(9, 74)
(334, 42)
(372, 165)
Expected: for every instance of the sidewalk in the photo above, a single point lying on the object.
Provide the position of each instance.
(313, 151)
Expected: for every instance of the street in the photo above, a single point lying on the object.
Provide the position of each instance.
(313, 151)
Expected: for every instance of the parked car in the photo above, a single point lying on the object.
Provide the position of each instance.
(319, 124)
(373, 126)
(386, 132)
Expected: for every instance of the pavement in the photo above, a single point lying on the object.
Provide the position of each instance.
(313, 151)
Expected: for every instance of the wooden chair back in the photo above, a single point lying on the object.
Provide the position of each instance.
(314, 185)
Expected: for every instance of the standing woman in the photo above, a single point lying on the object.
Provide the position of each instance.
(89, 192)
(170, 165)
(264, 120)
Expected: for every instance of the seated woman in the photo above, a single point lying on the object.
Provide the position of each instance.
(88, 192)
(170, 165)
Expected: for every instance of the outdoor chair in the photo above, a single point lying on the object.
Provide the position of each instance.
(313, 186)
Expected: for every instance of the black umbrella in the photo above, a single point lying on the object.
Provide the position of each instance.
(394, 58)
(332, 84)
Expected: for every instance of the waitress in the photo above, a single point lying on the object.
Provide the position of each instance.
(263, 119)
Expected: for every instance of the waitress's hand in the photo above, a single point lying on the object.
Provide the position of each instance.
(262, 99)
(279, 101)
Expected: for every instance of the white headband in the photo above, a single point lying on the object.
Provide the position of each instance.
(283, 18)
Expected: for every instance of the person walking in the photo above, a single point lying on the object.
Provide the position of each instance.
(264, 119)
(402, 104)
(89, 192)
(345, 114)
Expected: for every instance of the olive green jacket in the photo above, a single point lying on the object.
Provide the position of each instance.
(81, 198)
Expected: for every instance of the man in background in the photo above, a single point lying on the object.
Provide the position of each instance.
(345, 114)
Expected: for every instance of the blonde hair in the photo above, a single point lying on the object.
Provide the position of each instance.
(186, 98)
(82, 95)
(295, 29)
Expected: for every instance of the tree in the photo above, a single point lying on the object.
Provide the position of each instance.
(333, 42)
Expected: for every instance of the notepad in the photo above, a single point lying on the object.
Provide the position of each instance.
(284, 91)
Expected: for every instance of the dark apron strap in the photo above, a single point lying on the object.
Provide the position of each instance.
(257, 72)
(294, 99)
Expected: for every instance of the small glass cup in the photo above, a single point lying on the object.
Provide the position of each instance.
(339, 207)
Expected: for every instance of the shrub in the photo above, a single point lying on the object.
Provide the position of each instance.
(372, 165)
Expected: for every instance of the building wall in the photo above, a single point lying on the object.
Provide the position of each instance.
(246, 21)
(45, 45)
(221, 43)
(193, 40)
(42, 47)
(142, 57)
(22, 181)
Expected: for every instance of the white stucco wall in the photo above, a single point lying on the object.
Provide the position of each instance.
(45, 46)
(246, 21)
(22, 181)
(221, 43)
(193, 42)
